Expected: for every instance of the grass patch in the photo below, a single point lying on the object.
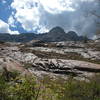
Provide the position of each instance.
(47, 88)
(27, 65)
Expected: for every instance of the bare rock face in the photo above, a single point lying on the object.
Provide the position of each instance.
(91, 52)
(16, 54)
(10, 64)
(13, 59)
(66, 67)
(23, 57)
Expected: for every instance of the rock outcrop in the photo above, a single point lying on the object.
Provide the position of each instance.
(10, 64)
(13, 59)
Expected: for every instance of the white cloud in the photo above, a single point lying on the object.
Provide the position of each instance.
(31, 13)
(4, 28)
(46, 14)
(11, 21)
(29, 18)
(26, 13)
(14, 32)
(57, 6)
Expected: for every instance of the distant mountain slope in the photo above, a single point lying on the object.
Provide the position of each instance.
(56, 34)
(17, 38)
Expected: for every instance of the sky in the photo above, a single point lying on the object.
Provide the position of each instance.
(39, 16)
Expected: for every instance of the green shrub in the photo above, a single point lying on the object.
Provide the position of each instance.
(47, 88)
(3, 89)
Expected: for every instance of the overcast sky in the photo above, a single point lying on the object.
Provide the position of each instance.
(38, 16)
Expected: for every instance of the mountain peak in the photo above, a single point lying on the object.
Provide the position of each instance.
(57, 30)
(57, 34)
(74, 34)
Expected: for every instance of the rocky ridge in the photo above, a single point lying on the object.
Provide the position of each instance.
(57, 34)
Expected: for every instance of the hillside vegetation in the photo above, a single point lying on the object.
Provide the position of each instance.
(31, 88)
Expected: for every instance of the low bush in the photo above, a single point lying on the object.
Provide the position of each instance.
(30, 88)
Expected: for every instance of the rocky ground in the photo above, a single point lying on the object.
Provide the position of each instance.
(77, 59)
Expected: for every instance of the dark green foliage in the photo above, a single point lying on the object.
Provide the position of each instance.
(81, 90)
(29, 88)
(85, 40)
(3, 87)
(24, 90)
(27, 65)
(2, 42)
(8, 76)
